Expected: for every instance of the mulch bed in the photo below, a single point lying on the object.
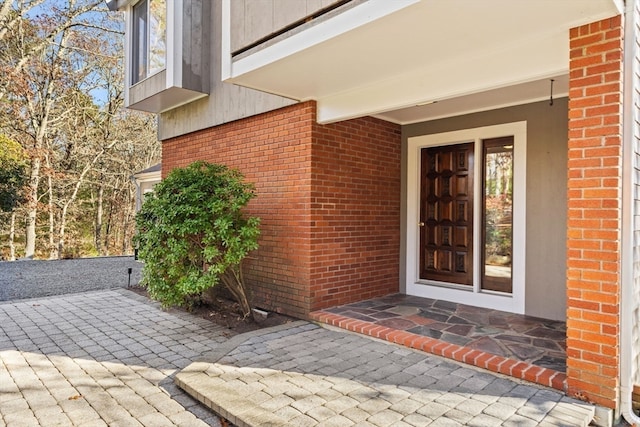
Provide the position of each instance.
(220, 309)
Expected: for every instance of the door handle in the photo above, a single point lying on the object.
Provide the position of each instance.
(421, 224)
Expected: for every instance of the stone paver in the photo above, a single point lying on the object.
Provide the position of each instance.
(99, 358)
(304, 374)
(109, 358)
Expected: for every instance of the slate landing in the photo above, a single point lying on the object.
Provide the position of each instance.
(524, 347)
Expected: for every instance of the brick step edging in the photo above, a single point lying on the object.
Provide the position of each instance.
(503, 365)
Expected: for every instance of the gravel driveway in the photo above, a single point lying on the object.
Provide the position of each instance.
(36, 278)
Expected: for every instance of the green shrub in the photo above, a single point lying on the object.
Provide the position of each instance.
(192, 234)
(13, 174)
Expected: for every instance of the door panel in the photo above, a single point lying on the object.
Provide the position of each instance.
(446, 216)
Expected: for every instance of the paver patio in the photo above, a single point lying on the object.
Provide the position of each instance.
(111, 358)
(99, 358)
(302, 374)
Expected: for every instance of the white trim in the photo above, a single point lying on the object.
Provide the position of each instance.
(127, 53)
(627, 282)
(516, 301)
(174, 33)
(148, 177)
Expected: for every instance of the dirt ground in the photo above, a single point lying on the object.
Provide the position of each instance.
(223, 311)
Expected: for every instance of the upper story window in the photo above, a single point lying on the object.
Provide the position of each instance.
(149, 39)
(168, 51)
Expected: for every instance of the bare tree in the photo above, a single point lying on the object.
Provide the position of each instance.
(54, 18)
(137, 149)
(37, 55)
(63, 102)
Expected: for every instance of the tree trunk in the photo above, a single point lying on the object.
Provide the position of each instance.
(32, 206)
(234, 281)
(39, 117)
(53, 251)
(129, 212)
(107, 230)
(12, 233)
(61, 232)
(98, 232)
(72, 198)
(125, 224)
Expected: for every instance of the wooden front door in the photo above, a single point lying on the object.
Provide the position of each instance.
(446, 214)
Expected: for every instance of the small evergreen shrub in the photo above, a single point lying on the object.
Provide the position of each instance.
(192, 234)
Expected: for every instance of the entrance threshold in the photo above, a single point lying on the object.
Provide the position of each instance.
(523, 347)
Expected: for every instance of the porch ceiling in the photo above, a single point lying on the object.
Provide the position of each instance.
(413, 60)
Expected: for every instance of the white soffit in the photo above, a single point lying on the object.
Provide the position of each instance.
(366, 62)
(539, 90)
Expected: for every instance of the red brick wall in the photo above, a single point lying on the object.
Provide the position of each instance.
(594, 203)
(273, 151)
(355, 211)
(328, 198)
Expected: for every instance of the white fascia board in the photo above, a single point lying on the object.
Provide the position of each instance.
(167, 99)
(148, 177)
(514, 64)
(114, 5)
(353, 18)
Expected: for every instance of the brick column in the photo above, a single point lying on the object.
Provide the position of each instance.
(355, 211)
(594, 208)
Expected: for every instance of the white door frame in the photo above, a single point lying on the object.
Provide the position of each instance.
(514, 302)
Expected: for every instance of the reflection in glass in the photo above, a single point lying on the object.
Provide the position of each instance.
(157, 36)
(497, 214)
(139, 49)
(149, 50)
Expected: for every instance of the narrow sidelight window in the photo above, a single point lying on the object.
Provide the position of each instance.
(497, 215)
